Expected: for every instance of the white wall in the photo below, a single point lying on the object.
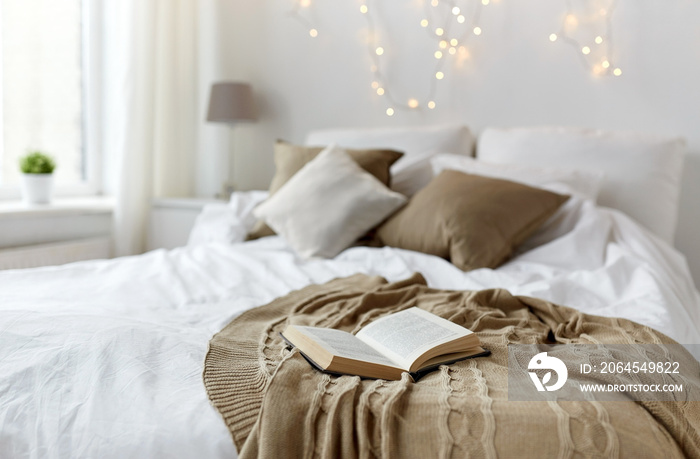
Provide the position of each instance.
(514, 77)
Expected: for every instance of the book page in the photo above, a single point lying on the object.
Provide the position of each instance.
(346, 345)
(406, 335)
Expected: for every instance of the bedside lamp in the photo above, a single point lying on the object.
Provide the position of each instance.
(231, 103)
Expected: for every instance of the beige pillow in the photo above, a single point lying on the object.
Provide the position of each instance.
(328, 205)
(289, 159)
(473, 221)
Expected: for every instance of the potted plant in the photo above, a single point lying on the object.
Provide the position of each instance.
(37, 177)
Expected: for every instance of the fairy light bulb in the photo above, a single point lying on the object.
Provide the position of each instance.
(434, 3)
(598, 40)
(424, 23)
(439, 31)
(553, 37)
(586, 50)
(305, 3)
(431, 104)
(380, 91)
(389, 111)
(605, 64)
(485, 2)
(461, 19)
(363, 9)
(617, 72)
(379, 51)
(375, 85)
(454, 42)
(413, 103)
(477, 30)
(439, 75)
(453, 50)
(443, 44)
(313, 33)
(455, 10)
(438, 54)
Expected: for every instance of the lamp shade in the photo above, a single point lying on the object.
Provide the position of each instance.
(231, 102)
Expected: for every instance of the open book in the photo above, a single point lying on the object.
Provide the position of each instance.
(411, 340)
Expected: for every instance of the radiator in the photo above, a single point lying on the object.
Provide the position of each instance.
(57, 253)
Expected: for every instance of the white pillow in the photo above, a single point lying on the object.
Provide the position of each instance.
(418, 144)
(329, 204)
(585, 184)
(227, 223)
(642, 172)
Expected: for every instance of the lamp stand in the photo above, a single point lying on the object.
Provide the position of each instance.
(230, 102)
(228, 186)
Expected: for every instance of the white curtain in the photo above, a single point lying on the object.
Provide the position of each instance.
(155, 84)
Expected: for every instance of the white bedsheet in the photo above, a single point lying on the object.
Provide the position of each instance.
(104, 359)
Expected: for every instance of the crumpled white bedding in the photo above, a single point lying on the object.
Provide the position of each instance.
(104, 358)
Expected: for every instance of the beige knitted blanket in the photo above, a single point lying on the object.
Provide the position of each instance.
(276, 405)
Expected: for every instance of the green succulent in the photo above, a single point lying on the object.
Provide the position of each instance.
(36, 162)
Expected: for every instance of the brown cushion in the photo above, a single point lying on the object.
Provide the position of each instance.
(289, 159)
(473, 221)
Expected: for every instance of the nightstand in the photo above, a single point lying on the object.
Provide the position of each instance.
(172, 219)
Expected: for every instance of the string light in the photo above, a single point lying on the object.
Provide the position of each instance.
(450, 23)
(589, 30)
(296, 13)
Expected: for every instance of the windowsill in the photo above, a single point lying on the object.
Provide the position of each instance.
(58, 207)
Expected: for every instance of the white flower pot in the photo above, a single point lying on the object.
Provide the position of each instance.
(36, 188)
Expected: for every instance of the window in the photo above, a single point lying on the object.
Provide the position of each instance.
(43, 91)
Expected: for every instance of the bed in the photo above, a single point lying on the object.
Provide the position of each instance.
(105, 358)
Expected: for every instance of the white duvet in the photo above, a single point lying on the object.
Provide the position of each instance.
(103, 359)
